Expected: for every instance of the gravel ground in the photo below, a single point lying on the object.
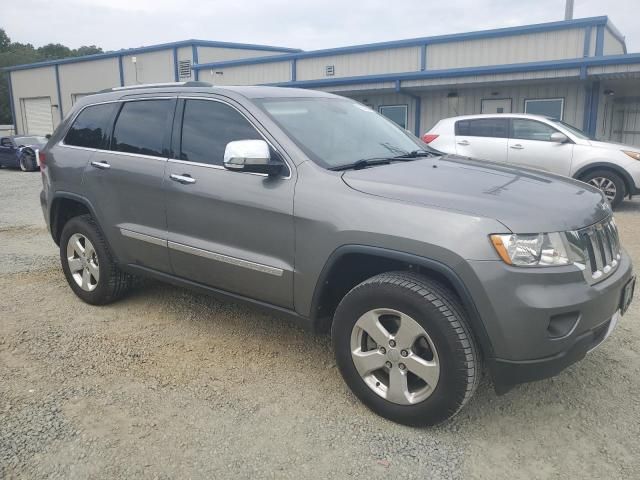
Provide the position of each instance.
(171, 384)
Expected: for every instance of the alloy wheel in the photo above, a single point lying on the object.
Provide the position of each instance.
(395, 356)
(606, 185)
(83, 262)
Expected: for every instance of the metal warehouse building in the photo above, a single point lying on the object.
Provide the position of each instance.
(577, 70)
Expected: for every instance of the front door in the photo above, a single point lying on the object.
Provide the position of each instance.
(7, 152)
(230, 230)
(125, 183)
(530, 145)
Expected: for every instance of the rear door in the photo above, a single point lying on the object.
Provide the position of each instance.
(125, 182)
(483, 138)
(229, 230)
(530, 145)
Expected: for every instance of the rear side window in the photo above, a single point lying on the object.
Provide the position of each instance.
(90, 129)
(483, 127)
(531, 130)
(207, 127)
(141, 127)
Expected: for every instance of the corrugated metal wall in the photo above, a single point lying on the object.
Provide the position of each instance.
(152, 67)
(533, 47)
(248, 74)
(612, 46)
(76, 78)
(217, 54)
(392, 60)
(34, 83)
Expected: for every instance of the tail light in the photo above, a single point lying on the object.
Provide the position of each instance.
(42, 160)
(429, 137)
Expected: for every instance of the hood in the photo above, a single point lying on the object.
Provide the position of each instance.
(525, 201)
(613, 146)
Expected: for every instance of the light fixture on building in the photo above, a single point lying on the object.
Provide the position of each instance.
(609, 93)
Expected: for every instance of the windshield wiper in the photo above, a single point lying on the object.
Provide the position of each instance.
(363, 163)
(416, 154)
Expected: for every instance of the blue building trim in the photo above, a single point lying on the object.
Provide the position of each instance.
(176, 75)
(154, 48)
(586, 51)
(13, 107)
(600, 41)
(469, 71)
(413, 42)
(593, 108)
(58, 92)
(423, 56)
(194, 61)
(294, 68)
(121, 71)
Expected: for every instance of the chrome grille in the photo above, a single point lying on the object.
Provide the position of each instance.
(599, 245)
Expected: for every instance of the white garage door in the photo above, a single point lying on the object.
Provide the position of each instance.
(37, 113)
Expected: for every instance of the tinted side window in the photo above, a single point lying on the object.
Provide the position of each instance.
(485, 127)
(207, 127)
(91, 128)
(531, 130)
(141, 127)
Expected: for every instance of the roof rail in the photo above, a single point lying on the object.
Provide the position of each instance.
(158, 85)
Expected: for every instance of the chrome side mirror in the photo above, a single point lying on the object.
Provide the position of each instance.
(559, 137)
(250, 156)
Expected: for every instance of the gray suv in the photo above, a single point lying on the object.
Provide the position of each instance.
(426, 268)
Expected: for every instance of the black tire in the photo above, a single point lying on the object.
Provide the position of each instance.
(438, 311)
(112, 283)
(612, 177)
(27, 161)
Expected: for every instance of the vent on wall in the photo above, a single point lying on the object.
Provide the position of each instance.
(329, 70)
(184, 69)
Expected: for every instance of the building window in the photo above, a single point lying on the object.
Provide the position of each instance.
(396, 113)
(549, 107)
(184, 69)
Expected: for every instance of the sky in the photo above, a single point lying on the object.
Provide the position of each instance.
(116, 24)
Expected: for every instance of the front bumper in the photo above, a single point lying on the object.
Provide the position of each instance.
(542, 320)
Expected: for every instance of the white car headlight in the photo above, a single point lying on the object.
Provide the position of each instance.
(532, 250)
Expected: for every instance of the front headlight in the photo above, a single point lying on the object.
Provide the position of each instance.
(634, 155)
(532, 250)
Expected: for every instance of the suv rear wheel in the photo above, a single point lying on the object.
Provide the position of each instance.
(87, 263)
(609, 182)
(404, 348)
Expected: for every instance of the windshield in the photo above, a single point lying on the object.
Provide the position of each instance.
(335, 132)
(574, 130)
(29, 140)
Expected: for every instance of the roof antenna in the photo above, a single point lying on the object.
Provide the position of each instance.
(568, 10)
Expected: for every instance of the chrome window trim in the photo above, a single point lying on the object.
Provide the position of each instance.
(143, 237)
(210, 99)
(219, 257)
(140, 155)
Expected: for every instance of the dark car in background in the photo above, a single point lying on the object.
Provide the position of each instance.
(19, 151)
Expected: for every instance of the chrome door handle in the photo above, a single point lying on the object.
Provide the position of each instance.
(183, 179)
(101, 165)
(517, 146)
(463, 142)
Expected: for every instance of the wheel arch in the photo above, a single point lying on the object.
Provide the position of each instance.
(338, 276)
(629, 184)
(65, 206)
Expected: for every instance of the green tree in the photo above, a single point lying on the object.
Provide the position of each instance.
(15, 53)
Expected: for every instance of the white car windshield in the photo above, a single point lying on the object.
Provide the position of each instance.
(335, 132)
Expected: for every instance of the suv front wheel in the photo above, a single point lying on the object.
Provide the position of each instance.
(87, 263)
(404, 348)
(609, 183)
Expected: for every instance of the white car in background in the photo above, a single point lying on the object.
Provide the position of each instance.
(544, 143)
